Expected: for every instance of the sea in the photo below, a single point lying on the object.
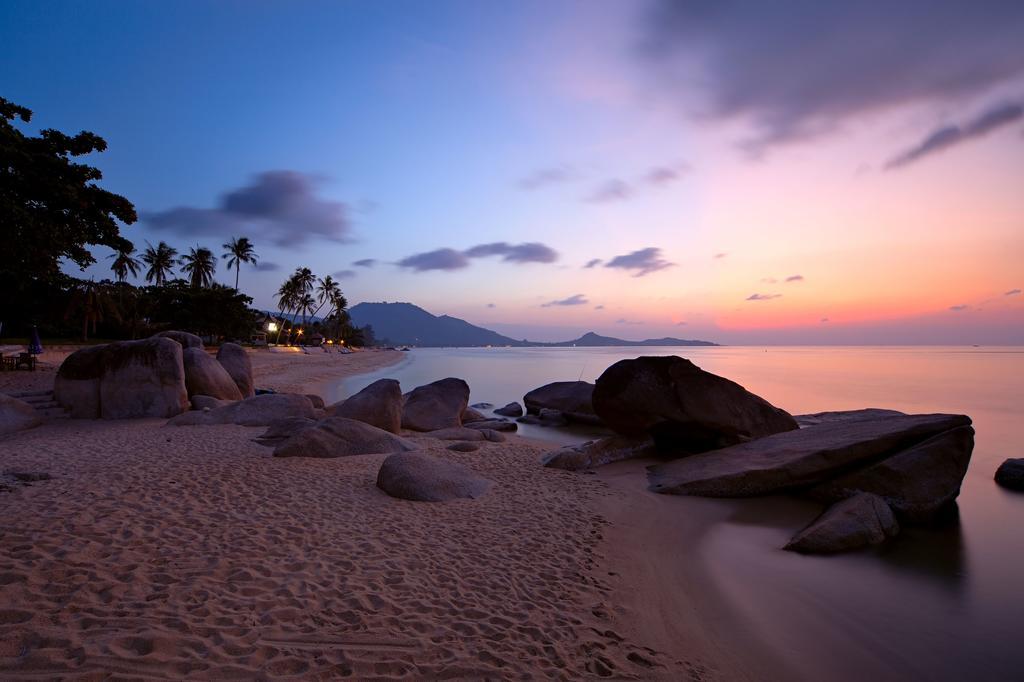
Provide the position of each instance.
(938, 603)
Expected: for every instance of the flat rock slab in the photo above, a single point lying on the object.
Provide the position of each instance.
(916, 482)
(420, 477)
(456, 433)
(260, 410)
(796, 459)
(341, 437)
(836, 417)
(856, 522)
(1010, 474)
(595, 453)
(494, 425)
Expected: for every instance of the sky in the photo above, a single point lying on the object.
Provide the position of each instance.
(743, 172)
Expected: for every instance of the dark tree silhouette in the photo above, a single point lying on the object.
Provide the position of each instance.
(125, 262)
(199, 264)
(239, 251)
(161, 260)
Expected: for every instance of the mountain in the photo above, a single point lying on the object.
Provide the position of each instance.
(405, 324)
(591, 339)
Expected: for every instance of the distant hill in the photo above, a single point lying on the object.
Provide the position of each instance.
(404, 324)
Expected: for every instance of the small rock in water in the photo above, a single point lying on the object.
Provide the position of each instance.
(1010, 474)
(510, 410)
(859, 521)
(482, 406)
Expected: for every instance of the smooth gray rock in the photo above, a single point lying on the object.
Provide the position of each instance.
(282, 429)
(16, 415)
(418, 476)
(1010, 474)
(494, 425)
(469, 415)
(435, 406)
(238, 365)
(796, 459)
(379, 404)
(184, 339)
(816, 418)
(574, 399)
(595, 453)
(260, 410)
(205, 376)
(464, 446)
(127, 379)
(341, 437)
(854, 523)
(206, 402)
(510, 410)
(916, 482)
(684, 408)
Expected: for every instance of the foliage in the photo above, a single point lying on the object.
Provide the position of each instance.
(199, 264)
(160, 260)
(51, 208)
(239, 250)
(125, 262)
(92, 302)
(216, 310)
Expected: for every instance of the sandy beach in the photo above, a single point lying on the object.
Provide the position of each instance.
(190, 552)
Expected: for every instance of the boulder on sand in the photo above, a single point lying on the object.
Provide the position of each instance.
(1010, 474)
(282, 429)
(435, 406)
(238, 365)
(595, 453)
(470, 415)
(684, 408)
(16, 415)
(184, 339)
(510, 410)
(341, 437)
(260, 410)
(379, 404)
(418, 476)
(797, 459)
(856, 522)
(205, 376)
(574, 399)
(123, 380)
(916, 482)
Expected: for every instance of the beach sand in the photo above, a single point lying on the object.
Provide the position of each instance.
(190, 552)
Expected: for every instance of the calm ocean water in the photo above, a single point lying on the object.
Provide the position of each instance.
(944, 603)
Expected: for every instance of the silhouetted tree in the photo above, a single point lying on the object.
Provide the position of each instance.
(160, 260)
(125, 262)
(239, 251)
(199, 264)
(92, 302)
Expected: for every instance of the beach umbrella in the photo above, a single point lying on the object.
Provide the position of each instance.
(35, 346)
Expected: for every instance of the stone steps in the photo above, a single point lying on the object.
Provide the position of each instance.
(43, 402)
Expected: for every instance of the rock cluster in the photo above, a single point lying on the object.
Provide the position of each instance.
(572, 399)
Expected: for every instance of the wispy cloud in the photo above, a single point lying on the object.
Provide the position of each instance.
(623, 320)
(720, 255)
(491, 305)
(795, 278)
(1012, 292)
(530, 252)
(438, 259)
(769, 280)
(577, 299)
(763, 297)
(642, 262)
(544, 177)
(344, 274)
(949, 136)
(267, 266)
(599, 307)
(612, 190)
(683, 323)
(278, 206)
(958, 308)
(593, 262)
(365, 263)
(664, 175)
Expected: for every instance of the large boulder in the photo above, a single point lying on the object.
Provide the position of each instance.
(238, 365)
(684, 408)
(379, 404)
(856, 522)
(916, 482)
(510, 410)
(16, 415)
(574, 399)
(185, 339)
(418, 476)
(595, 453)
(797, 459)
(341, 437)
(260, 410)
(205, 376)
(435, 406)
(1010, 474)
(123, 380)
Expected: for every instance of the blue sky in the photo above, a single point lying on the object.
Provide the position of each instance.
(396, 129)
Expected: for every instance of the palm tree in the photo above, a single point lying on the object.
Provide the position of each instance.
(239, 251)
(91, 301)
(125, 262)
(326, 291)
(304, 305)
(199, 264)
(287, 297)
(161, 262)
(304, 279)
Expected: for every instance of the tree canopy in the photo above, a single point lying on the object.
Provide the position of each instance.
(51, 208)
